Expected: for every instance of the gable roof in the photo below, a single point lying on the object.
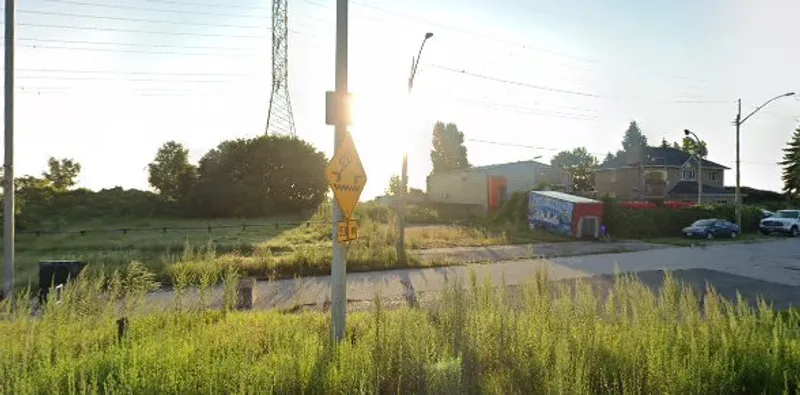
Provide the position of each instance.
(497, 166)
(662, 156)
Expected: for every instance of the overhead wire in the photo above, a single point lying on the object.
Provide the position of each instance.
(558, 90)
(128, 19)
(601, 154)
(166, 10)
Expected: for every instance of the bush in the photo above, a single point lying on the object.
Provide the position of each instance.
(47, 207)
(623, 222)
(514, 211)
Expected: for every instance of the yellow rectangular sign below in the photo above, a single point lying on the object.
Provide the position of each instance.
(347, 230)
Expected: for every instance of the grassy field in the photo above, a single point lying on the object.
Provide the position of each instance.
(475, 341)
(279, 247)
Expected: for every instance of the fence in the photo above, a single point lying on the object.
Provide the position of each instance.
(165, 229)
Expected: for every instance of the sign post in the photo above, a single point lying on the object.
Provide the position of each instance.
(345, 176)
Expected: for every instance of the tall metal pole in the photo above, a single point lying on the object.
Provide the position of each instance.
(338, 266)
(401, 211)
(401, 194)
(699, 175)
(8, 167)
(739, 122)
(738, 193)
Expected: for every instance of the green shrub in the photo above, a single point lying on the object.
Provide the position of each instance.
(661, 221)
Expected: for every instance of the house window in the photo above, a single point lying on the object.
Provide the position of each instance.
(688, 174)
(713, 176)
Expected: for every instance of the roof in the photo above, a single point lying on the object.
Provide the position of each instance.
(661, 156)
(497, 166)
(690, 188)
(565, 197)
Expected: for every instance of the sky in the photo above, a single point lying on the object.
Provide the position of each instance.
(106, 82)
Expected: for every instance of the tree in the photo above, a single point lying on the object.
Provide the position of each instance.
(258, 177)
(61, 174)
(664, 143)
(633, 139)
(689, 145)
(791, 166)
(394, 186)
(609, 157)
(449, 152)
(170, 173)
(580, 164)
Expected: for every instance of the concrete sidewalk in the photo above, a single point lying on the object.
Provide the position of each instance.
(776, 262)
(465, 255)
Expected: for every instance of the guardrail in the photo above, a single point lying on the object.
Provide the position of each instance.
(165, 229)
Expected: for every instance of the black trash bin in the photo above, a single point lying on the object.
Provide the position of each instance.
(55, 273)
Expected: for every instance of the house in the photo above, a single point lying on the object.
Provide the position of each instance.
(662, 173)
(481, 190)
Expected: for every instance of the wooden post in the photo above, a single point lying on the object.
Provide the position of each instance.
(245, 293)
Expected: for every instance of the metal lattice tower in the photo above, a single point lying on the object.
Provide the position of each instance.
(279, 118)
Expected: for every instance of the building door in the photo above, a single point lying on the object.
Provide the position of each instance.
(588, 227)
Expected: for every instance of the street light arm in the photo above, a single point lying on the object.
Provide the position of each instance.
(415, 62)
(764, 105)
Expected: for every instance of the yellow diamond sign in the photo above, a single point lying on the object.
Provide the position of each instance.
(346, 175)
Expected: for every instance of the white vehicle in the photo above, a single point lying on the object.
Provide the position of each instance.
(784, 221)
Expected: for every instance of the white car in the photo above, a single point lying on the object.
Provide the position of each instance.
(784, 221)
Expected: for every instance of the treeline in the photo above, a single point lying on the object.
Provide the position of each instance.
(242, 178)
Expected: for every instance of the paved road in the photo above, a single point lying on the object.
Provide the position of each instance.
(770, 268)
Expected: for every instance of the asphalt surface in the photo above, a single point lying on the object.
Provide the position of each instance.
(770, 269)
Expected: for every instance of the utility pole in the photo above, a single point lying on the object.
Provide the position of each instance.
(339, 264)
(739, 122)
(8, 167)
(738, 194)
(401, 194)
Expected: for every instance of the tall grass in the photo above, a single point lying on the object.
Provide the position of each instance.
(546, 338)
(261, 252)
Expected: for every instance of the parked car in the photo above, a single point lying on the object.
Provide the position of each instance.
(711, 228)
(784, 221)
(766, 213)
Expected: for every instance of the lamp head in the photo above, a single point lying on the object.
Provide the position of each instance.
(686, 132)
(428, 35)
(789, 94)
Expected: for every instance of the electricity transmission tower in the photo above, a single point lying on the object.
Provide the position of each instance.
(279, 118)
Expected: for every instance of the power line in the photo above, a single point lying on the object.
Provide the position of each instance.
(115, 18)
(128, 79)
(558, 90)
(244, 7)
(153, 45)
(129, 72)
(474, 33)
(512, 82)
(110, 29)
(593, 153)
(137, 51)
(127, 7)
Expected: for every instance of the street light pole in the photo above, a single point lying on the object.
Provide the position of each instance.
(739, 121)
(401, 201)
(699, 160)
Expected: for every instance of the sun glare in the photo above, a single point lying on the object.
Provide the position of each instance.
(381, 122)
